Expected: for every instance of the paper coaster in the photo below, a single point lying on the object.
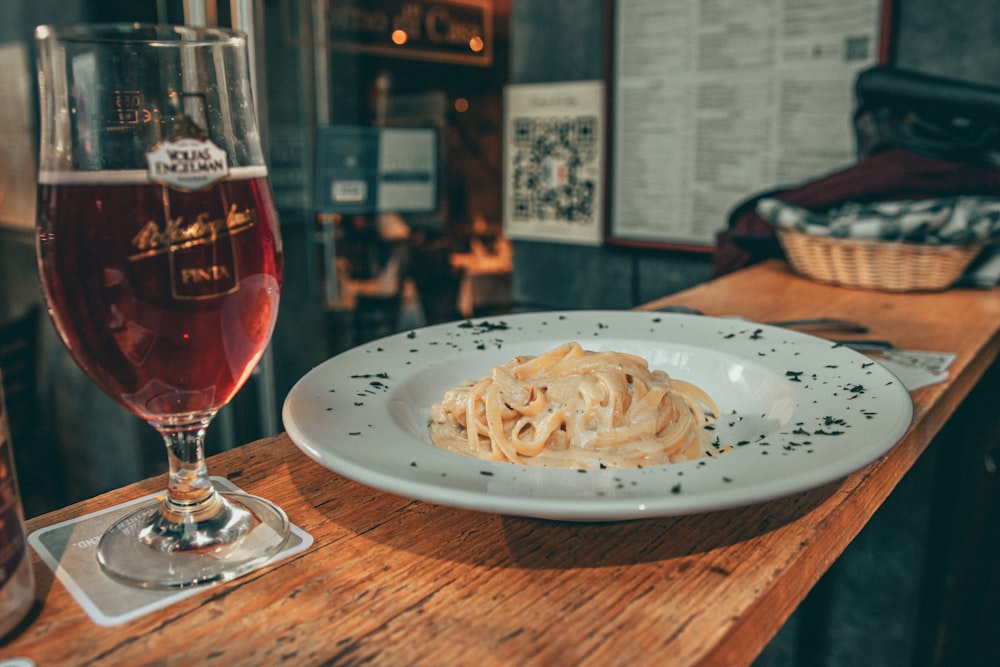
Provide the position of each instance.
(69, 548)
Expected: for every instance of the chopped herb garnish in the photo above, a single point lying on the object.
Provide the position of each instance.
(485, 326)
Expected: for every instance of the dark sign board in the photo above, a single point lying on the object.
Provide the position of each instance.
(454, 31)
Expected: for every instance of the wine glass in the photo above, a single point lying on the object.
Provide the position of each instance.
(161, 263)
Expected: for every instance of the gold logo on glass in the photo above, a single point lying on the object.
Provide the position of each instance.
(200, 251)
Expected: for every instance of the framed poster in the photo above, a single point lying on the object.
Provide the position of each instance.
(554, 162)
(712, 102)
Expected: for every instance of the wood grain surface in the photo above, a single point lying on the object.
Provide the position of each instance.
(392, 581)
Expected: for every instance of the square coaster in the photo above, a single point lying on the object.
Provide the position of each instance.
(69, 549)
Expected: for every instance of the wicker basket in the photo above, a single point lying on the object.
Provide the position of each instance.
(878, 265)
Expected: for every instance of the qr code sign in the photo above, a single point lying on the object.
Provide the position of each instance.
(555, 169)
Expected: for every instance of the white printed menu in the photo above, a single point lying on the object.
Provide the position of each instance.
(716, 100)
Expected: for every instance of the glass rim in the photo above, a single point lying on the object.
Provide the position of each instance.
(152, 34)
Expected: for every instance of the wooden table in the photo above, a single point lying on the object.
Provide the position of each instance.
(391, 581)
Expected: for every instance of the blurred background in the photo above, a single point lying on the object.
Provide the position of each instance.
(332, 95)
(339, 87)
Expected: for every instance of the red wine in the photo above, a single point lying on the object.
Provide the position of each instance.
(166, 299)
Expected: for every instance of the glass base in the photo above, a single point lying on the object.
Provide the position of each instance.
(147, 550)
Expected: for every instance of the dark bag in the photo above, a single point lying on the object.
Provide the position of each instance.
(927, 115)
(918, 136)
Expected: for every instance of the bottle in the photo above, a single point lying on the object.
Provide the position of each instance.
(17, 581)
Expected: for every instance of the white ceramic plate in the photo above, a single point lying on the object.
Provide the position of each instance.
(800, 411)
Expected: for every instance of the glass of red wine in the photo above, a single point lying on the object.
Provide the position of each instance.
(161, 263)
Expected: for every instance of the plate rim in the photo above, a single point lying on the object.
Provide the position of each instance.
(608, 508)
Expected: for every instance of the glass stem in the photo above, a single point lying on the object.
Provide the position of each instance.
(190, 494)
(194, 517)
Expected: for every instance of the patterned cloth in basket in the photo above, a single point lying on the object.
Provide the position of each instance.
(946, 221)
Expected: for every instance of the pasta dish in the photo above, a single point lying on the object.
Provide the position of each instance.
(573, 408)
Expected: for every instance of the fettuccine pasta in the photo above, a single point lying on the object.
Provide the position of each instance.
(572, 408)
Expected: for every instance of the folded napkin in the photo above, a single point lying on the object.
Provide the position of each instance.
(953, 220)
(916, 369)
